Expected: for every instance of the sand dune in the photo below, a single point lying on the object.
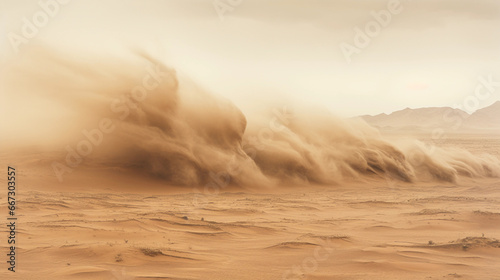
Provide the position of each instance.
(361, 229)
(357, 230)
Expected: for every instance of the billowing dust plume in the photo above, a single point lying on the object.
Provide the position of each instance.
(137, 114)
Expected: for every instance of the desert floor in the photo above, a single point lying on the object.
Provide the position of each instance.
(98, 226)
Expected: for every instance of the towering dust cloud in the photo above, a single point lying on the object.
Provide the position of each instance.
(139, 115)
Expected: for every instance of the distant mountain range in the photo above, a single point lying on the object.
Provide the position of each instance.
(438, 117)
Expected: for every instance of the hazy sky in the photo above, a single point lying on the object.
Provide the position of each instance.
(430, 53)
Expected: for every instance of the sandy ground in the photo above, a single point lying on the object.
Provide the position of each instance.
(95, 226)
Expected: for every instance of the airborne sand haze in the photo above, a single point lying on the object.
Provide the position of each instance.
(153, 140)
(182, 133)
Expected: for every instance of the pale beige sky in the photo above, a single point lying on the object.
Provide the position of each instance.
(431, 53)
